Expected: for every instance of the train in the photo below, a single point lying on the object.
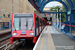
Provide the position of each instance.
(26, 26)
(49, 23)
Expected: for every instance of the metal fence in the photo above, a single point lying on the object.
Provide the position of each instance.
(4, 25)
(67, 28)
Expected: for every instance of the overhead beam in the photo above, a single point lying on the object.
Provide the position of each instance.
(73, 9)
(54, 12)
(35, 5)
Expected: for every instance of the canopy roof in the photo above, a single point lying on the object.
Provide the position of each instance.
(40, 4)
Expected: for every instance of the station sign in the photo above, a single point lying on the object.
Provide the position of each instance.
(47, 15)
(69, 12)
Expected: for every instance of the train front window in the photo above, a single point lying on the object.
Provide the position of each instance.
(30, 24)
(27, 24)
(16, 24)
(23, 23)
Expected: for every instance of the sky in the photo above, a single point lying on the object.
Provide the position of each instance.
(54, 3)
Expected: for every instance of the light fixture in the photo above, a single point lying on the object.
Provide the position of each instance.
(32, 34)
(14, 34)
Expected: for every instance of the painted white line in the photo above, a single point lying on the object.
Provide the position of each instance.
(38, 40)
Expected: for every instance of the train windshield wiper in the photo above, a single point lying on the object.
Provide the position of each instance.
(32, 27)
(26, 25)
(14, 26)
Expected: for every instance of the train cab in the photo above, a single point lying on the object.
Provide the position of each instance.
(25, 26)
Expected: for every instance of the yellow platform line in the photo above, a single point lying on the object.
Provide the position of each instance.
(42, 42)
(50, 41)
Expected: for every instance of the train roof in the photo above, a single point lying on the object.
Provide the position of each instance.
(30, 13)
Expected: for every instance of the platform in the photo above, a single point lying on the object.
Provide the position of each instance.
(45, 41)
(61, 40)
(4, 31)
(52, 39)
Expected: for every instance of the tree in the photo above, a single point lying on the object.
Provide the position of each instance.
(55, 8)
(63, 16)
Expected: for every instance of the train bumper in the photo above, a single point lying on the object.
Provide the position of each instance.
(11, 40)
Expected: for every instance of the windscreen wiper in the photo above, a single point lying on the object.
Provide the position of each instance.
(14, 27)
(32, 27)
(26, 25)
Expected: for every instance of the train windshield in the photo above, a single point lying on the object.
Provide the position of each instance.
(23, 22)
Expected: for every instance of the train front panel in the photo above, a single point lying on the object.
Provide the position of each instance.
(22, 27)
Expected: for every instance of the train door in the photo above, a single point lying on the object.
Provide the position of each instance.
(30, 24)
(27, 23)
(37, 25)
(24, 23)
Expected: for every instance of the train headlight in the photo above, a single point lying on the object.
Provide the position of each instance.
(32, 34)
(14, 34)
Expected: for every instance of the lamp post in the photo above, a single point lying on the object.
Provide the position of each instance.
(60, 18)
(57, 19)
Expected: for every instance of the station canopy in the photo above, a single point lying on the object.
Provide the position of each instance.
(40, 4)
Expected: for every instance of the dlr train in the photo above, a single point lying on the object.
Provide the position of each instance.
(26, 26)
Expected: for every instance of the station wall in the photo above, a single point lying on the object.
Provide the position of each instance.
(14, 6)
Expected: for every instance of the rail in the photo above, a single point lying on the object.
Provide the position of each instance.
(4, 25)
(7, 45)
(67, 28)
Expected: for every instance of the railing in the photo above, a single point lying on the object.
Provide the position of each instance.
(67, 28)
(4, 25)
(8, 45)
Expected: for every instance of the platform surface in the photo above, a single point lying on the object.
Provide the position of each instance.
(52, 39)
(4, 31)
(45, 41)
(61, 40)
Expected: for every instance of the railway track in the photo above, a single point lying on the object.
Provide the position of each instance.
(5, 43)
(16, 45)
(27, 46)
(4, 36)
(4, 39)
(9, 46)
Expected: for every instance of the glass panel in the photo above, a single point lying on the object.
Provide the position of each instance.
(30, 24)
(16, 24)
(40, 25)
(67, 4)
(73, 1)
(41, 1)
(46, 1)
(74, 15)
(37, 25)
(23, 23)
(6, 25)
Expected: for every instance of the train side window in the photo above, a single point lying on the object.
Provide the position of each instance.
(40, 25)
(37, 25)
(43, 23)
